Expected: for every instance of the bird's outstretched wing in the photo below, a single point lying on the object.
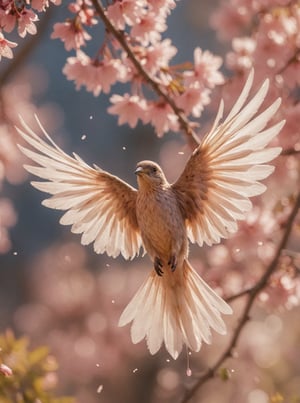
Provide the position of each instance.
(224, 171)
(99, 205)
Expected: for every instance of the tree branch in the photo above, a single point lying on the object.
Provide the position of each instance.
(252, 294)
(185, 124)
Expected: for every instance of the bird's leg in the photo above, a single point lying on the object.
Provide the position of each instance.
(158, 266)
(172, 262)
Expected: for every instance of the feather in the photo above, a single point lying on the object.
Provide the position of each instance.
(225, 170)
(95, 201)
(176, 312)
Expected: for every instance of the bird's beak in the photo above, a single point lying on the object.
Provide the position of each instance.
(138, 171)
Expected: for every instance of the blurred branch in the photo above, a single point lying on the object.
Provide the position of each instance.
(290, 151)
(185, 124)
(26, 49)
(239, 294)
(293, 59)
(252, 293)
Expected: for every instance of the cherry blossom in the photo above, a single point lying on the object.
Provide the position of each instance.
(162, 7)
(125, 12)
(242, 55)
(94, 75)
(205, 71)
(157, 56)
(193, 100)
(71, 33)
(5, 47)
(26, 23)
(148, 28)
(161, 117)
(129, 108)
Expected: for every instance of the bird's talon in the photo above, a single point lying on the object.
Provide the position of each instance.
(172, 263)
(158, 266)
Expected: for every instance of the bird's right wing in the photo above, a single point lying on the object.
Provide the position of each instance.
(99, 205)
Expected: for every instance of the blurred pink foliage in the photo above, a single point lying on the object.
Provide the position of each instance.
(74, 307)
(272, 48)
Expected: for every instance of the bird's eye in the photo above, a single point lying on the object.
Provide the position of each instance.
(154, 170)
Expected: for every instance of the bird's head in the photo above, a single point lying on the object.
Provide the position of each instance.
(148, 172)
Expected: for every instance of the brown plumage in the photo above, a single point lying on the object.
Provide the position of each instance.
(174, 305)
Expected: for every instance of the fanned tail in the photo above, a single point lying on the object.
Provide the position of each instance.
(177, 308)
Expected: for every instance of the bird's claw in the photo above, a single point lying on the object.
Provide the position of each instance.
(172, 262)
(158, 266)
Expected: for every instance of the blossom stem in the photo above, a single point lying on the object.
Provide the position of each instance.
(185, 124)
(252, 293)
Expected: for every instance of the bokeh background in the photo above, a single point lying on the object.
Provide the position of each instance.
(64, 295)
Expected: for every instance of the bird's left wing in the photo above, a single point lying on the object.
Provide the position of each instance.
(224, 171)
(99, 206)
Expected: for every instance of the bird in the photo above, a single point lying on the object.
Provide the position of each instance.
(174, 306)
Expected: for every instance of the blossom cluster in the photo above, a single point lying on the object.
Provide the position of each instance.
(272, 48)
(273, 45)
(21, 15)
(140, 25)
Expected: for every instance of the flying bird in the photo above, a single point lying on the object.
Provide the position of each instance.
(174, 305)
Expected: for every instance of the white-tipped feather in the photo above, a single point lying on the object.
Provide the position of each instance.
(243, 96)
(87, 194)
(175, 312)
(230, 161)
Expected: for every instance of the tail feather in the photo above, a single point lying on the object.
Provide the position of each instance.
(177, 308)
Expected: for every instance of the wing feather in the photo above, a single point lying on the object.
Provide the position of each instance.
(97, 204)
(224, 171)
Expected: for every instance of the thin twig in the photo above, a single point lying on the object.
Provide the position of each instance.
(185, 124)
(240, 294)
(289, 151)
(252, 294)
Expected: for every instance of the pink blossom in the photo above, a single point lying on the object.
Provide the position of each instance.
(193, 100)
(230, 19)
(76, 68)
(71, 33)
(129, 108)
(84, 11)
(125, 12)
(281, 291)
(95, 76)
(161, 117)
(104, 74)
(206, 70)
(158, 55)
(26, 24)
(147, 29)
(242, 57)
(5, 47)
(162, 7)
